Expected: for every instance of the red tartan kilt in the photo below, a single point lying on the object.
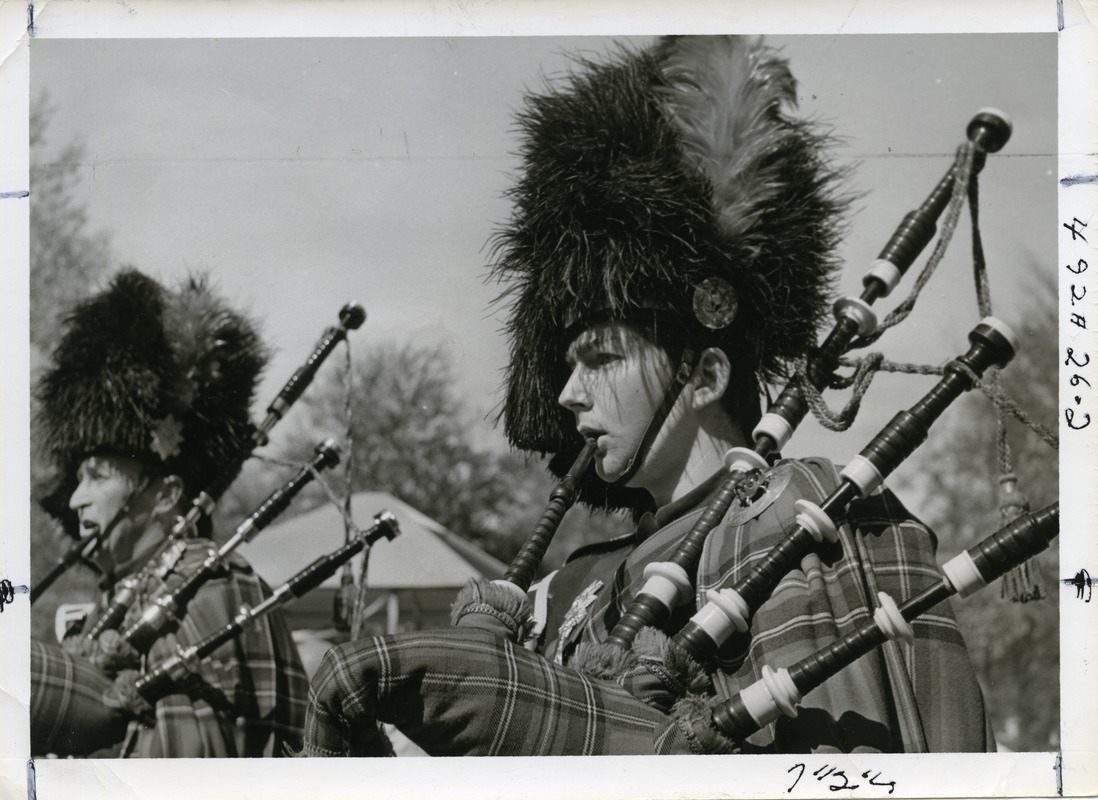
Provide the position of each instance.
(469, 692)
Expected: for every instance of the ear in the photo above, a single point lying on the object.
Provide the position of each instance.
(168, 494)
(710, 378)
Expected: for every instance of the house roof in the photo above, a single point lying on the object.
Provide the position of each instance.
(424, 555)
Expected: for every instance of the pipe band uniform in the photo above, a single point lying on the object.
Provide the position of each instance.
(147, 401)
(670, 255)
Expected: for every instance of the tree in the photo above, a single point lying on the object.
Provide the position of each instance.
(1014, 646)
(66, 258)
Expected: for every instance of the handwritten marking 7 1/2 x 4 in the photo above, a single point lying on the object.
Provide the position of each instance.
(837, 775)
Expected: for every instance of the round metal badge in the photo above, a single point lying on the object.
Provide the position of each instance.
(715, 303)
(770, 484)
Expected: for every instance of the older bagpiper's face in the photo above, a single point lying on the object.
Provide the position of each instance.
(618, 381)
(106, 484)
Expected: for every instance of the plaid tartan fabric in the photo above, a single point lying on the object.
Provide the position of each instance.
(469, 692)
(466, 691)
(907, 698)
(247, 699)
(67, 713)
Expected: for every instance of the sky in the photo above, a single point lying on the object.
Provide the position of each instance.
(306, 173)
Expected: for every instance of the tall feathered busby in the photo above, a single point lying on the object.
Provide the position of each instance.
(672, 180)
(141, 371)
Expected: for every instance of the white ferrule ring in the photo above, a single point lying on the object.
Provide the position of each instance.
(782, 689)
(744, 459)
(884, 271)
(668, 583)
(776, 427)
(758, 702)
(815, 520)
(1006, 331)
(858, 310)
(891, 621)
(773, 694)
(861, 472)
(963, 575)
(714, 622)
(732, 606)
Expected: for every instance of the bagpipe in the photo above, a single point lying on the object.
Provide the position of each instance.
(110, 697)
(491, 696)
(779, 691)
(669, 584)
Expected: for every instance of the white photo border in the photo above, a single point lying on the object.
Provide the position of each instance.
(1001, 775)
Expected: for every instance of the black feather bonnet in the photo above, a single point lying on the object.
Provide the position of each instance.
(145, 372)
(669, 179)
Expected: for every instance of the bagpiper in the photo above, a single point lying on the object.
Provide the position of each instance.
(670, 256)
(146, 401)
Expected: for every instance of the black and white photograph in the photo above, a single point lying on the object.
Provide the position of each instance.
(466, 381)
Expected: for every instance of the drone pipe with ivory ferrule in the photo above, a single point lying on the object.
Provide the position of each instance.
(989, 130)
(780, 691)
(160, 614)
(993, 344)
(351, 317)
(162, 680)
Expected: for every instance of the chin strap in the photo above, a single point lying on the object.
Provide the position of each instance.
(119, 515)
(674, 389)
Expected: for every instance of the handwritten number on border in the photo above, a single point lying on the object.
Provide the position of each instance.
(1076, 418)
(836, 775)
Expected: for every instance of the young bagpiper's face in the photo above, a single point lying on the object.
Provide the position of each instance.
(618, 381)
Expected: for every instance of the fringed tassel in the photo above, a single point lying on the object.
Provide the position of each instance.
(483, 604)
(79, 646)
(655, 670)
(124, 695)
(1023, 582)
(694, 717)
(664, 672)
(602, 661)
(110, 653)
